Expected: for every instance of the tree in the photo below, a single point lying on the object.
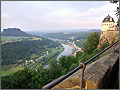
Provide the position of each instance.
(54, 70)
(91, 43)
(66, 61)
(104, 46)
(117, 10)
(78, 54)
(39, 69)
(73, 66)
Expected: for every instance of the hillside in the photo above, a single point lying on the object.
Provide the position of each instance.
(36, 79)
(69, 35)
(14, 32)
(26, 49)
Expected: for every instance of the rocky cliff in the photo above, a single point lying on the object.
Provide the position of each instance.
(108, 37)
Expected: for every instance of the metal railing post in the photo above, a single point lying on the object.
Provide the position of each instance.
(82, 75)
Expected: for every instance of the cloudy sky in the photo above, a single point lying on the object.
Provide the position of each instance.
(55, 15)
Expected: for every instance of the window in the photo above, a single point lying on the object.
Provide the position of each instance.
(110, 19)
(106, 19)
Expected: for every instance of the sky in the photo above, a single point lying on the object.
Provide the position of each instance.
(55, 15)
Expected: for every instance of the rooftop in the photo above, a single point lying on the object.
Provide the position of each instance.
(108, 19)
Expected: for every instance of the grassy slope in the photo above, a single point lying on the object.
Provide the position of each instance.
(11, 70)
(10, 38)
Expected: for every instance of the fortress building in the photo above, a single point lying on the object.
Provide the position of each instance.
(109, 32)
(108, 24)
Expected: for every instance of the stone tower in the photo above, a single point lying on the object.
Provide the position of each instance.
(109, 32)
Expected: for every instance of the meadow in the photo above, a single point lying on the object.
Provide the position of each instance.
(11, 38)
(10, 69)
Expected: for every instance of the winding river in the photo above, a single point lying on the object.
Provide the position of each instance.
(67, 51)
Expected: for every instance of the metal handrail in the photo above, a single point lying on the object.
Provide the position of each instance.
(52, 84)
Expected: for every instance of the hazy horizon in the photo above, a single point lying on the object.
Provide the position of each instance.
(55, 16)
(56, 31)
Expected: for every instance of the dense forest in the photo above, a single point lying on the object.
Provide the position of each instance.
(11, 52)
(37, 79)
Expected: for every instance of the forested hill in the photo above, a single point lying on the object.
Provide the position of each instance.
(25, 49)
(80, 34)
(14, 32)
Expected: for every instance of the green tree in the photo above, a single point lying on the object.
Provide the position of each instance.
(39, 69)
(73, 66)
(104, 46)
(54, 70)
(117, 10)
(78, 54)
(91, 43)
(66, 61)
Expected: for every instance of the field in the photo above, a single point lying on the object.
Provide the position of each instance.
(11, 70)
(6, 67)
(37, 38)
(10, 38)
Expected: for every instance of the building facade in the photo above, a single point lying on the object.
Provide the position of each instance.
(108, 24)
(109, 32)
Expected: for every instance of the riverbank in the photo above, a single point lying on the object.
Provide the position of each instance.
(75, 48)
(67, 51)
(54, 54)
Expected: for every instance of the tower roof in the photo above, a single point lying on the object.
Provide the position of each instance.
(108, 19)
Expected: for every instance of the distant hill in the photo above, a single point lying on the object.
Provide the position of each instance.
(95, 30)
(14, 32)
(81, 34)
(42, 32)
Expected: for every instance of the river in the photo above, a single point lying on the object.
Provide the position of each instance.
(67, 51)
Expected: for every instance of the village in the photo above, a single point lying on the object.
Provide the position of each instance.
(22, 62)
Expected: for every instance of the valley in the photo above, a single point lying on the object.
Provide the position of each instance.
(19, 52)
(47, 53)
(46, 43)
